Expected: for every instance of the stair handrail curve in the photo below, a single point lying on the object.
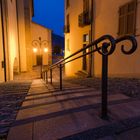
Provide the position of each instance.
(132, 40)
(105, 46)
(94, 43)
(112, 44)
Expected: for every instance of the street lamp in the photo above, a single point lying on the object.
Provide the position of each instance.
(37, 46)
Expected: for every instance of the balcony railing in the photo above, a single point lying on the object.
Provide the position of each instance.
(66, 28)
(84, 19)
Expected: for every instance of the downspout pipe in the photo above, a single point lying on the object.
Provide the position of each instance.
(91, 39)
(19, 51)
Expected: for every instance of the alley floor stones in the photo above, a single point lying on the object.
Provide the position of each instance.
(12, 95)
(127, 86)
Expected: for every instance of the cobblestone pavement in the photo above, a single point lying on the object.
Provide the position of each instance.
(127, 86)
(30, 75)
(12, 95)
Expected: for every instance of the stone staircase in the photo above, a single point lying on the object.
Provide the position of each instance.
(72, 114)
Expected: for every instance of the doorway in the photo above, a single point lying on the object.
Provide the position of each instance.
(39, 60)
(84, 59)
(85, 63)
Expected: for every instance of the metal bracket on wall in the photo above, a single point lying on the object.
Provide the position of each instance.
(2, 64)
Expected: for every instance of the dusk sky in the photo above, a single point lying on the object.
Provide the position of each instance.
(50, 13)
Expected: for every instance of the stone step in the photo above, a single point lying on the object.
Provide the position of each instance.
(52, 105)
(81, 74)
(48, 113)
(111, 131)
(69, 123)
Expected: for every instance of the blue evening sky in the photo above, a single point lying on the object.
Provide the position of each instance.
(50, 13)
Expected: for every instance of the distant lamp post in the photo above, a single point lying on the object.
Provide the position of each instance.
(40, 46)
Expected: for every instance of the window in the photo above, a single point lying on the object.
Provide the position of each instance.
(67, 3)
(85, 38)
(86, 57)
(68, 20)
(67, 25)
(127, 18)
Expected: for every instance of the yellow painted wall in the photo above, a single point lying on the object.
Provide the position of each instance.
(18, 34)
(28, 39)
(22, 39)
(12, 38)
(75, 36)
(106, 22)
(1, 52)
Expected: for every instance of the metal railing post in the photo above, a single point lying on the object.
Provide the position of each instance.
(51, 76)
(42, 77)
(61, 76)
(46, 77)
(104, 114)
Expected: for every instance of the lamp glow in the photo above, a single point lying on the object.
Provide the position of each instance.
(35, 50)
(45, 50)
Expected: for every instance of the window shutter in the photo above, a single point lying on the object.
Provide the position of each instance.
(131, 18)
(85, 5)
(121, 25)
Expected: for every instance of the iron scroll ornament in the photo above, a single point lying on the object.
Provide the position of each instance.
(108, 41)
(133, 44)
(39, 43)
(112, 44)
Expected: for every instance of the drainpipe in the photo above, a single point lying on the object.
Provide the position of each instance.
(18, 36)
(91, 39)
(3, 39)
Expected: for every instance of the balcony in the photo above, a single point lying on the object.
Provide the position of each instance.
(84, 19)
(66, 28)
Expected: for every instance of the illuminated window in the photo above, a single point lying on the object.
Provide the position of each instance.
(127, 18)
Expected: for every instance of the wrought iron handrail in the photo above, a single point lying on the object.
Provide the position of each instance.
(105, 46)
(110, 38)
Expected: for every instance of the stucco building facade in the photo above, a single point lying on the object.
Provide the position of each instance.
(17, 32)
(116, 18)
(45, 50)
